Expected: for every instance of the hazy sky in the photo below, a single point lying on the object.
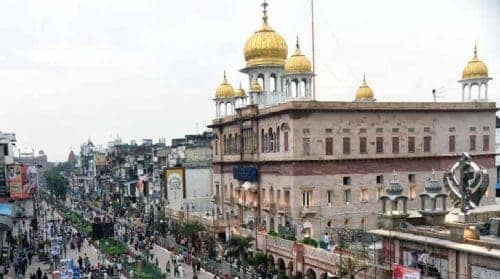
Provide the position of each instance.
(70, 70)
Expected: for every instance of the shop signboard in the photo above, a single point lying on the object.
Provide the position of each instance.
(404, 272)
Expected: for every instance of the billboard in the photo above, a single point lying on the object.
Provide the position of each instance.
(176, 186)
(404, 272)
(15, 178)
(22, 181)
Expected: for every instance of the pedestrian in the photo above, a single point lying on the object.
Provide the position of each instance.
(45, 276)
(30, 256)
(80, 262)
(38, 273)
(167, 268)
(176, 270)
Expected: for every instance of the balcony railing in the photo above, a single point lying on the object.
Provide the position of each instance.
(284, 209)
(309, 210)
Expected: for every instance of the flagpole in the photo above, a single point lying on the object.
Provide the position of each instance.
(313, 52)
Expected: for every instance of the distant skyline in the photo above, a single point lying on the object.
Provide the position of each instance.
(73, 70)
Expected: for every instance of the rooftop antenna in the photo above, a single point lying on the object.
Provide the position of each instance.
(438, 93)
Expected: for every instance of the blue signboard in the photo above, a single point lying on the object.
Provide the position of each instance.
(6, 209)
(245, 173)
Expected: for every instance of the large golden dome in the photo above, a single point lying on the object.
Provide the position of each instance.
(475, 68)
(364, 92)
(266, 46)
(225, 90)
(298, 62)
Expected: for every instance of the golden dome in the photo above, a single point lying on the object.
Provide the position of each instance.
(265, 46)
(256, 87)
(298, 62)
(225, 90)
(240, 92)
(475, 68)
(364, 92)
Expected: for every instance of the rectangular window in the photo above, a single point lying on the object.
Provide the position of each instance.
(427, 129)
(285, 141)
(362, 130)
(362, 145)
(345, 130)
(472, 143)
(411, 178)
(451, 144)
(395, 145)
(472, 129)
(380, 179)
(329, 197)
(451, 129)
(380, 144)
(346, 145)
(411, 130)
(411, 144)
(486, 128)
(364, 195)
(328, 131)
(413, 193)
(306, 146)
(486, 142)
(306, 198)
(346, 180)
(287, 197)
(379, 130)
(329, 146)
(427, 144)
(395, 130)
(347, 196)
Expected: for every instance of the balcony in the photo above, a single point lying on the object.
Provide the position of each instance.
(309, 210)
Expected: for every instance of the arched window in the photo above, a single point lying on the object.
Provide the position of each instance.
(278, 139)
(216, 145)
(229, 108)
(271, 140)
(222, 109)
(273, 83)
(295, 88)
(303, 88)
(287, 88)
(224, 142)
(260, 80)
(262, 142)
(231, 144)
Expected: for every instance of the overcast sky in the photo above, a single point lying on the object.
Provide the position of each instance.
(70, 70)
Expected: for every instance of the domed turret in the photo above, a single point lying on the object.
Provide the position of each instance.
(266, 46)
(364, 92)
(240, 92)
(298, 62)
(475, 76)
(475, 68)
(256, 87)
(225, 90)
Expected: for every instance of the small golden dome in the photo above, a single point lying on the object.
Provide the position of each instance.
(364, 92)
(225, 90)
(240, 92)
(298, 62)
(265, 46)
(475, 68)
(256, 87)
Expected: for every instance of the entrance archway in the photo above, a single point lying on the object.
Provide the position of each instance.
(310, 274)
(281, 265)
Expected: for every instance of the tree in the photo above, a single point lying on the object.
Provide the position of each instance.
(351, 267)
(191, 230)
(238, 246)
(56, 183)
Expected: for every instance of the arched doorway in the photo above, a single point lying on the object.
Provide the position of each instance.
(281, 265)
(310, 274)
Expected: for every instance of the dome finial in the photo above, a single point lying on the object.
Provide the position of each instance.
(364, 79)
(297, 44)
(225, 79)
(264, 11)
(475, 50)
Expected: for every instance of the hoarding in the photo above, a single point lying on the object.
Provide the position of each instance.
(176, 186)
(22, 181)
(404, 272)
(15, 177)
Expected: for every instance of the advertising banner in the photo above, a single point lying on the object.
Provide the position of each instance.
(404, 272)
(15, 176)
(176, 187)
(4, 189)
(22, 181)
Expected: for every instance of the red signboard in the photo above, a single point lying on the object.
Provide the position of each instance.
(403, 272)
(22, 181)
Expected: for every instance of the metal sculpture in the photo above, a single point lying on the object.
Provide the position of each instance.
(467, 182)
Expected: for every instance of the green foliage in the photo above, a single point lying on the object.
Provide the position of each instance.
(112, 247)
(192, 229)
(309, 241)
(259, 258)
(282, 275)
(238, 246)
(272, 233)
(56, 183)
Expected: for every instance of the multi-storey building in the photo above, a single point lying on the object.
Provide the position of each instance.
(282, 160)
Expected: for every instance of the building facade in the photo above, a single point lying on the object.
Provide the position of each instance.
(283, 161)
